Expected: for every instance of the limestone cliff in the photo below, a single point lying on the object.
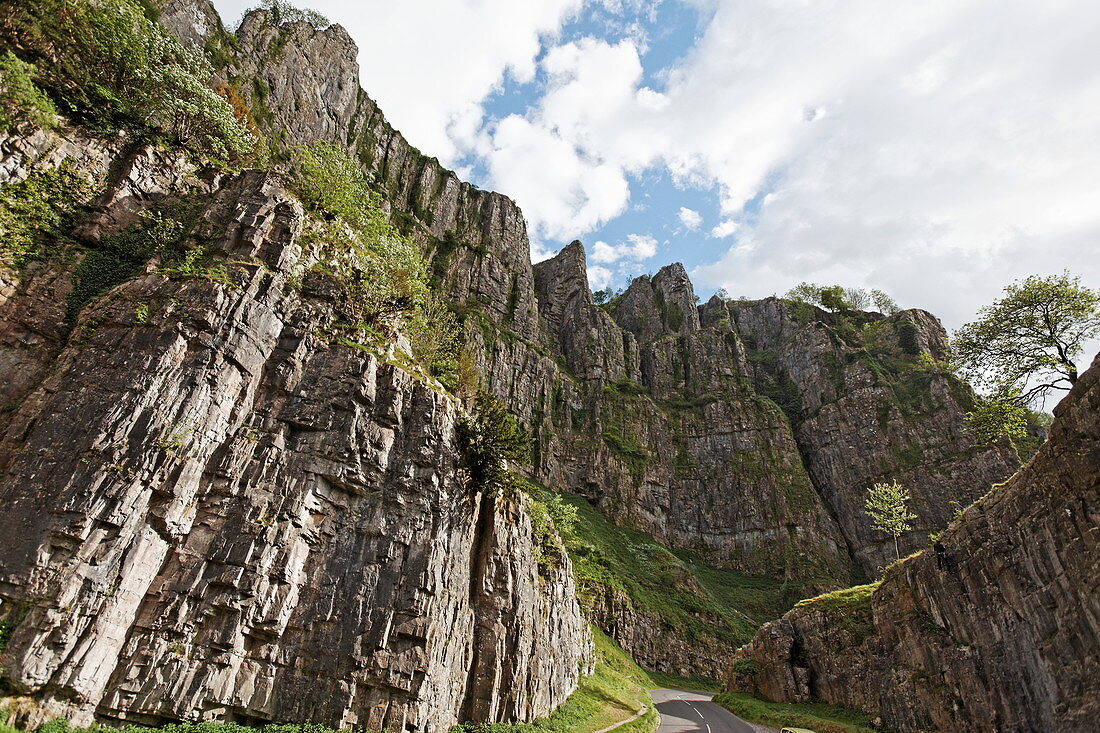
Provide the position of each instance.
(661, 411)
(213, 509)
(745, 433)
(999, 633)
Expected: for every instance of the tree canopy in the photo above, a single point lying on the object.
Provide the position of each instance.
(888, 507)
(1024, 345)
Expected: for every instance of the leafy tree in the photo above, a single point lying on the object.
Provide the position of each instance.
(832, 298)
(884, 303)
(105, 63)
(887, 506)
(1024, 345)
(490, 437)
(999, 416)
(857, 298)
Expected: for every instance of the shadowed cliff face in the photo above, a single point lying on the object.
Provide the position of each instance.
(1001, 633)
(211, 509)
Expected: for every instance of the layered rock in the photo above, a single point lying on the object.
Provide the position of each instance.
(708, 426)
(655, 415)
(213, 511)
(1001, 632)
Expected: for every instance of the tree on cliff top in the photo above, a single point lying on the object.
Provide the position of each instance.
(1024, 344)
(887, 506)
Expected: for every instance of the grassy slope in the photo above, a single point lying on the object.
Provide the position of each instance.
(699, 601)
(819, 717)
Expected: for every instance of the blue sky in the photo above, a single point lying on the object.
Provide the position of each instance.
(936, 150)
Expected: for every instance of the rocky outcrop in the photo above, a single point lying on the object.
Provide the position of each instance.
(1000, 632)
(643, 407)
(746, 433)
(214, 511)
(866, 406)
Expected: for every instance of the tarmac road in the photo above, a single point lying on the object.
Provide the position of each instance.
(693, 712)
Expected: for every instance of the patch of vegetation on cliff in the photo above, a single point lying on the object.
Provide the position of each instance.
(695, 602)
(109, 66)
(820, 717)
(37, 210)
(370, 271)
(848, 609)
(618, 410)
(616, 690)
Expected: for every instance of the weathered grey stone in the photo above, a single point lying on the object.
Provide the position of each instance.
(999, 633)
(214, 512)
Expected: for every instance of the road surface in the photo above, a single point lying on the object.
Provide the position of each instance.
(693, 712)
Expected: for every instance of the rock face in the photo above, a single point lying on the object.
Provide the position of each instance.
(651, 407)
(213, 511)
(1003, 633)
(744, 432)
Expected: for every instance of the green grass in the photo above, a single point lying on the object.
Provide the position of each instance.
(849, 608)
(699, 602)
(816, 716)
(615, 691)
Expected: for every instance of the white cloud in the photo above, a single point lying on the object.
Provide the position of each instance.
(599, 277)
(724, 228)
(690, 218)
(937, 149)
(430, 64)
(570, 193)
(637, 247)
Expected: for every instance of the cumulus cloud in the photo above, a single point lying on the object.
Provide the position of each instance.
(567, 160)
(724, 228)
(690, 218)
(637, 247)
(875, 144)
(599, 277)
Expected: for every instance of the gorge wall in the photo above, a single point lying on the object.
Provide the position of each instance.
(1000, 634)
(213, 509)
(207, 486)
(661, 411)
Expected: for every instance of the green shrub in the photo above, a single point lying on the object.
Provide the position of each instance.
(378, 272)
(746, 666)
(908, 338)
(489, 437)
(37, 210)
(20, 98)
(105, 63)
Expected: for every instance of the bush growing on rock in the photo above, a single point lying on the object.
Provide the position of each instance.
(379, 274)
(108, 65)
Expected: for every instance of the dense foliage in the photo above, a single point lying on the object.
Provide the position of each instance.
(37, 210)
(838, 298)
(106, 64)
(1025, 343)
(20, 97)
(377, 273)
(491, 437)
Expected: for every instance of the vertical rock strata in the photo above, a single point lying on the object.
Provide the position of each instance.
(212, 511)
(653, 407)
(1000, 634)
(216, 511)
